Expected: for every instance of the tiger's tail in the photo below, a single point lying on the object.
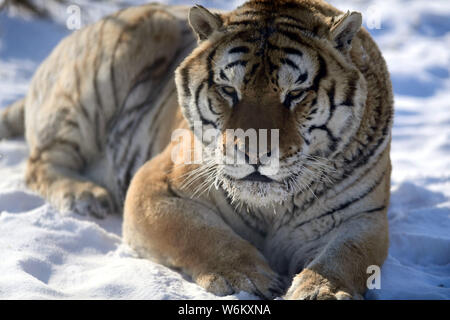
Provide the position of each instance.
(12, 120)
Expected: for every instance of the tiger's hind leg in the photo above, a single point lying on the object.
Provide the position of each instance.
(55, 173)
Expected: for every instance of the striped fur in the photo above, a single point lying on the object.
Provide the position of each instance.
(96, 106)
(306, 69)
(95, 114)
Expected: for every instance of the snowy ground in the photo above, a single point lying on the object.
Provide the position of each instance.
(45, 256)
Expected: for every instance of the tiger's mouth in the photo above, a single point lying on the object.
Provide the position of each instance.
(257, 177)
(255, 189)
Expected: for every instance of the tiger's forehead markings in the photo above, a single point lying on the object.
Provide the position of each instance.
(295, 70)
(240, 49)
(292, 51)
(260, 37)
(231, 65)
(266, 19)
(236, 63)
(271, 35)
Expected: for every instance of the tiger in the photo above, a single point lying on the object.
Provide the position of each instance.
(107, 110)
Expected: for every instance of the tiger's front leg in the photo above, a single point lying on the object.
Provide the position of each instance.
(185, 234)
(339, 270)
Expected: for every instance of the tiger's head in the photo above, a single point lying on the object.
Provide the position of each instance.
(276, 68)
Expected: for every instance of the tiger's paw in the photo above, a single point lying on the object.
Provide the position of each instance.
(88, 200)
(256, 279)
(309, 285)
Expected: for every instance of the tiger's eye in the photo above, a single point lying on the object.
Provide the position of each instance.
(295, 93)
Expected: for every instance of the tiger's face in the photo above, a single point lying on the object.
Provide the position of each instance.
(266, 74)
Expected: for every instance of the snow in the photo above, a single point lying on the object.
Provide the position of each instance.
(45, 255)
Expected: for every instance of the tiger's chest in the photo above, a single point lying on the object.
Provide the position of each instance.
(296, 229)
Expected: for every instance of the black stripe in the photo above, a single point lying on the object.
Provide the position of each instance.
(251, 73)
(362, 160)
(209, 62)
(130, 168)
(72, 123)
(143, 77)
(286, 50)
(322, 73)
(288, 101)
(289, 62)
(289, 50)
(185, 79)
(187, 113)
(241, 49)
(212, 109)
(350, 92)
(120, 134)
(272, 66)
(293, 26)
(233, 96)
(156, 128)
(147, 72)
(302, 78)
(236, 63)
(288, 17)
(305, 140)
(98, 134)
(197, 93)
(72, 145)
(242, 23)
(294, 37)
(37, 155)
(253, 69)
(333, 107)
(375, 209)
(223, 75)
(331, 95)
(348, 203)
(142, 108)
(197, 97)
(272, 46)
(83, 109)
(334, 140)
(247, 36)
(267, 31)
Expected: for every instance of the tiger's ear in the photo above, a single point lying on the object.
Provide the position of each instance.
(203, 22)
(344, 28)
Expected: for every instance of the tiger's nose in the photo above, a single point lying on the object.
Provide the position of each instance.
(256, 159)
(257, 175)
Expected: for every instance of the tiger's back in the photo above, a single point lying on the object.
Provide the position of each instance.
(97, 104)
